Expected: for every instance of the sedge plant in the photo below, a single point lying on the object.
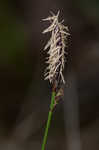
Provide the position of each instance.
(56, 50)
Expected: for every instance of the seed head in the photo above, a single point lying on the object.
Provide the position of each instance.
(56, 52)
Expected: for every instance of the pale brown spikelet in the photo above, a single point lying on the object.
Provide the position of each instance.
(56, 52)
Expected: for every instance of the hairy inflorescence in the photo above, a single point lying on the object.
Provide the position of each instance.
(56, 52)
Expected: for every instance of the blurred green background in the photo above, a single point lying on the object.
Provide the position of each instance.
(25, 96)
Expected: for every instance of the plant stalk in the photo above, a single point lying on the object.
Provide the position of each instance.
(49, 120)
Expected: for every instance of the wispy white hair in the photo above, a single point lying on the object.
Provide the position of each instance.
(56, 52)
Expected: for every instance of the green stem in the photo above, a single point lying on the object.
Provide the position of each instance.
(49, 120)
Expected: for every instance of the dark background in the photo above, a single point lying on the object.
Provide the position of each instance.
(25, 96)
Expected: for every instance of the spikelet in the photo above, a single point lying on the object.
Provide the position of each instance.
(56, 52)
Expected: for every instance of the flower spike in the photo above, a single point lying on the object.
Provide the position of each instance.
(56, 52)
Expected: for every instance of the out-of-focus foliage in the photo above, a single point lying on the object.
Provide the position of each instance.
(89, 8)
(12, 36)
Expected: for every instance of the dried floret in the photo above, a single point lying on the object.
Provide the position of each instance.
(56, 52)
